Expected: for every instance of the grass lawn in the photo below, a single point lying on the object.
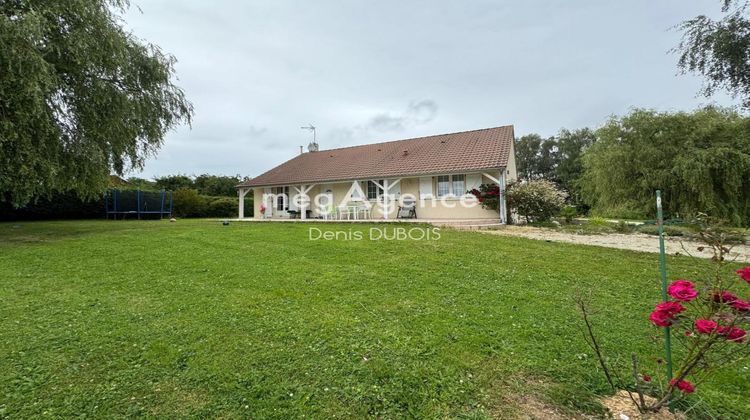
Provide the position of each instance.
(197, 319)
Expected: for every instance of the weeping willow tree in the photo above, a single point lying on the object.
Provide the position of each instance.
(80, 97)
(700, 161)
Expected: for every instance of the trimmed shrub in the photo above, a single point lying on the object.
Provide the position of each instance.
(187, 203)
(222, 207)
(535, 200)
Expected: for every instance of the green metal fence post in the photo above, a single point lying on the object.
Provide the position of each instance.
(663, 270)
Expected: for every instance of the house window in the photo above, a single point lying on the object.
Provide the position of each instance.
(443, 185)
(281, 197)
(373, 191)
(448, 185)
(459, 185)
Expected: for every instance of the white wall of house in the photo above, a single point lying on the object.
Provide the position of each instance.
(418, 187)
(511, 171)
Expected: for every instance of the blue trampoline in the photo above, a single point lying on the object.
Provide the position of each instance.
(138, 204)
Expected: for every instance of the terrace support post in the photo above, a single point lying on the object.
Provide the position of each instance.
(503, 202)
(303, 199)
(385, 188)
(241, 210)
(385, 199)
(500, 181)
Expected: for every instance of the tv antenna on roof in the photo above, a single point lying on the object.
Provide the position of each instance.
(312, 147)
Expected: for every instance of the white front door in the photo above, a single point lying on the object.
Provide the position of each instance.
(281, 201)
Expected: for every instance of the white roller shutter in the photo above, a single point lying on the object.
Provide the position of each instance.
(425, 187)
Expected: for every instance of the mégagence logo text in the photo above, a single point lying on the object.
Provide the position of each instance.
(376, 234)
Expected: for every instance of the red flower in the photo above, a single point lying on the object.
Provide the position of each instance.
(672, 308)
(733, 334)
(664, 314)
(683, 386)
(646, 378)
(705, 326)
(682, 290)
(724, 297)
(740, 305)
(744, 273)
(660, 319)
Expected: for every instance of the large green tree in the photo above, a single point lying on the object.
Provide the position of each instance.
(571, 146)
(556, 159)
(80, 97)
(217, 185)
(536, 157)
(719, 50)
(700, 160)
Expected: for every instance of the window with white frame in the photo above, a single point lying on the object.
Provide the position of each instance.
(281, 197)
(451, 185)
(373, 191)
(443, 185)
(458, 182)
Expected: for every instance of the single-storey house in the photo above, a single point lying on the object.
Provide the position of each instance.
(425, 177)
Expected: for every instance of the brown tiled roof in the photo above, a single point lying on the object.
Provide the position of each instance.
(445, 153)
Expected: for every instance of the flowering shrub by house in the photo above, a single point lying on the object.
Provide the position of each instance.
(536, 200)
(488, 195)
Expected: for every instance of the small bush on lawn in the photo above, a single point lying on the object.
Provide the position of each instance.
(568, 213)
(222, 207)
(623, 227)
(187, 203)
(535, 200)
(598, 222)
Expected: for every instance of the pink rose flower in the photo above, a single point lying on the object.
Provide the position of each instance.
(744, 273)
(664, 314)
(683, 386)
(724, 297)
(672, 308)
(733, 334)
(741, 305)
(682, 290)
(705, 326)
(660, 319)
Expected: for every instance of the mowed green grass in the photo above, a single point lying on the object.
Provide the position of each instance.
(198, 319)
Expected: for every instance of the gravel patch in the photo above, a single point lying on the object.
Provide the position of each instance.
(634, 242)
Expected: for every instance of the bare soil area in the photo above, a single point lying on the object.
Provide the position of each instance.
(633, 242)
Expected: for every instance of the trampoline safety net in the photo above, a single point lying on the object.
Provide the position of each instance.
(137, 203)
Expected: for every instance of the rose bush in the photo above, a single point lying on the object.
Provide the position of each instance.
(713, 320)
(488, 195)
(710, 317)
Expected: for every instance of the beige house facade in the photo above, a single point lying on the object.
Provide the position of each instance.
(424, 178)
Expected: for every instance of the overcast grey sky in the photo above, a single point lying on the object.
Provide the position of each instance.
(368, 71)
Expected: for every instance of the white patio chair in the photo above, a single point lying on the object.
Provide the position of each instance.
(329, 213)
(365, 212)
(343, 211)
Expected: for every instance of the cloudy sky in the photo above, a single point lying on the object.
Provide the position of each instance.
(366, 71)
